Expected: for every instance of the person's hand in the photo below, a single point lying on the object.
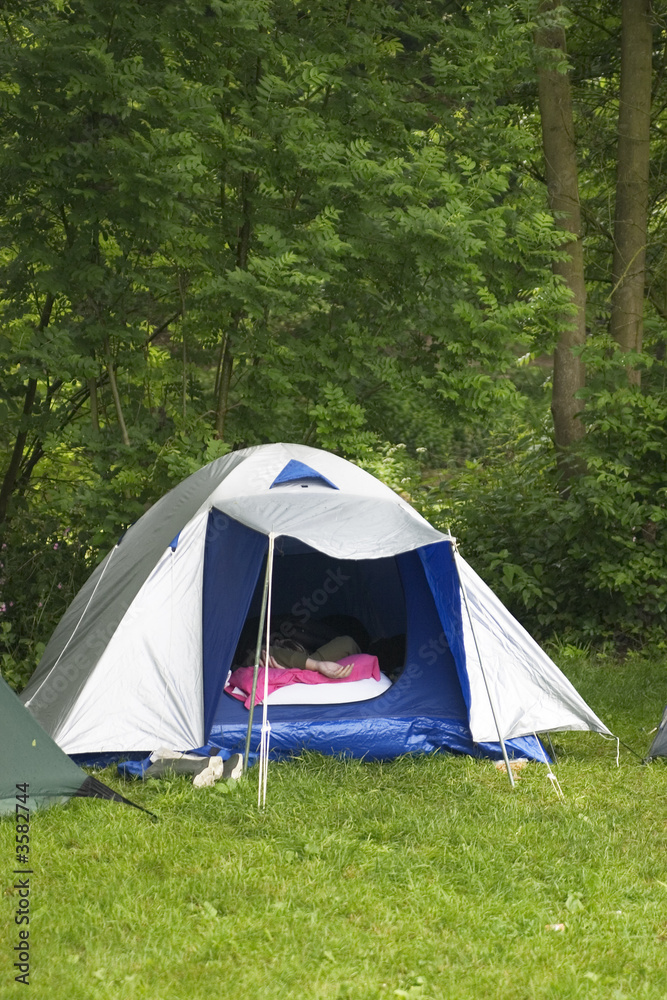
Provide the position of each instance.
(270, 661)
(328, 668)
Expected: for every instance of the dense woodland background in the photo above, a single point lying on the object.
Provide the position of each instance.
(428, 236)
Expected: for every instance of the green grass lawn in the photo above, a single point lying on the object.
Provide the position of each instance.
(420, 878)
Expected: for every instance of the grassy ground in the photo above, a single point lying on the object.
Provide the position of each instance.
(421, 878)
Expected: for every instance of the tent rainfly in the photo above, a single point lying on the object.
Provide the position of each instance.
(35, 772)
(141, 657)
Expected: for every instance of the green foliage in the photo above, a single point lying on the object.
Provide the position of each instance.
(353, 220)
(224, 224)
(590, 562)
(36, 586)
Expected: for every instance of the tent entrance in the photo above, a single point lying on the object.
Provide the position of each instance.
(321, 596)
(385, 598)
(423, 710)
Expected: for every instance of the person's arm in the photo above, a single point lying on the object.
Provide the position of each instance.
(336, 649)
(329, 668)
(323, 660)
(293, 659)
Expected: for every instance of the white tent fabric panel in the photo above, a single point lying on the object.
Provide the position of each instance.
(529, 692)
(147, 687)
(361, 519)
(344, 527)
(262, 465)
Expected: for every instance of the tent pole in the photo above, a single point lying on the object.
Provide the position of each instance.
(481, 664)
(258, 653)
(266, 727)
(551, 747)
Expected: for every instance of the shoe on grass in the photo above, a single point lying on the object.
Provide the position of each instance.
(211, 773)
(233, 768)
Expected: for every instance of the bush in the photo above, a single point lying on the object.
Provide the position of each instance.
(588, 562)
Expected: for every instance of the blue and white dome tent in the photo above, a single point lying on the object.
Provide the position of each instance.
(142, 655)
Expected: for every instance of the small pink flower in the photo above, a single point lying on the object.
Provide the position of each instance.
(4, 545)
(11, 604)
(60, 586)
(55, 545)
(40, 604)
(3, 608)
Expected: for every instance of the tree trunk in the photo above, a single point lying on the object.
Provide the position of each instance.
(94, 409)
(226, 366)
(11, 474)
(116, 396)
(632, 180)
(226, 362)
(563, 192)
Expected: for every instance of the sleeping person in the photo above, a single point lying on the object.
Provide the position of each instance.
(290, 654)
(307, 666)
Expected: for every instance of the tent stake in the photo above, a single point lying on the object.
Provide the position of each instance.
(481, 664)
(258, 653)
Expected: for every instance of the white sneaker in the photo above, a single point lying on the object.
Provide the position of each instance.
(211, 773)
(218, 768)
(204, 779)
(233, 768)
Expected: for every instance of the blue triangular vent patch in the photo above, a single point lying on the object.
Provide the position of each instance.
(299, 470)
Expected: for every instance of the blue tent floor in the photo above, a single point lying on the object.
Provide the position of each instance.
(373, 739)
(370, 739)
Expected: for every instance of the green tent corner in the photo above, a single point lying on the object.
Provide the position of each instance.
(34, 771)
